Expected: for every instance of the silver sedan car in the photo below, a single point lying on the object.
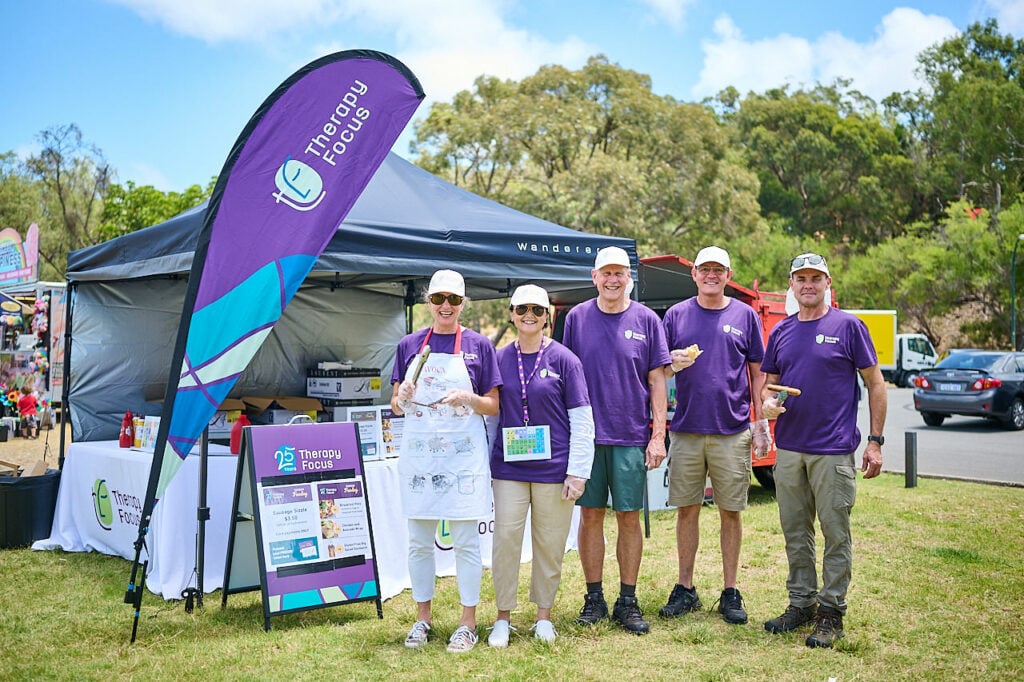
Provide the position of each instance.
(974, 383)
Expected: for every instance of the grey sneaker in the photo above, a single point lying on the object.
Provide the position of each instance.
(730, 605)
(828, 627)
(627, 613)
(417, 636)
(595, 609)
(792, 618)
(681, 601)
(462, 640)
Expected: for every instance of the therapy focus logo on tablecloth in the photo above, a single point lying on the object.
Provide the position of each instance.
(443, 536)
(101, 504)
(109, 505)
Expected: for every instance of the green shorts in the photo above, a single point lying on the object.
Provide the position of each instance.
(621, 470)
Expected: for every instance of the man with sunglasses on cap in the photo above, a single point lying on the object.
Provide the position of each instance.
(819, 350)
(711, 429)
(621, 344)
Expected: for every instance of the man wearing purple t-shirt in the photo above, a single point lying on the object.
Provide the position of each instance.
(711, 430)
(819, 350)
(621, 344)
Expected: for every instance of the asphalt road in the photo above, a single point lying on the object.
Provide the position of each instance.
(963, 447)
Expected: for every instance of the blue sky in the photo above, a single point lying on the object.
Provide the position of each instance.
(163, 87)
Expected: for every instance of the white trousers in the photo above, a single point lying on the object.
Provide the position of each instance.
(469, 568)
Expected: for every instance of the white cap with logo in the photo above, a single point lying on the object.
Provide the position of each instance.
(447, 282)
(530, 293)
(611, 255)
(712, 254)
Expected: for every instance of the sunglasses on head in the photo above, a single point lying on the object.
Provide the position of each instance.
(537, 310)
(813, 259)
(438, 299)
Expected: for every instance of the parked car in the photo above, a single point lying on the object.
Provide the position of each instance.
(973, 383)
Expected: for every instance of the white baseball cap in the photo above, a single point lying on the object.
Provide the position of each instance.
(712, 254)
(447, 282)
(529, 293)
(809, 261)
(611, 255)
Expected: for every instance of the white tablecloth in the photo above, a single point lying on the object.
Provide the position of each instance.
(79, 527)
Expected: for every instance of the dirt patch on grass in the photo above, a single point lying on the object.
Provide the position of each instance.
(27, 451)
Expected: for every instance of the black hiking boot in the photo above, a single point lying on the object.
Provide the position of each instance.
(680, 602)
(828, 627)
(627, 613)
(595, 609)
(730, 605)
(792, 618)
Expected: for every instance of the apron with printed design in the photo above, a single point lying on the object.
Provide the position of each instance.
(443, 466)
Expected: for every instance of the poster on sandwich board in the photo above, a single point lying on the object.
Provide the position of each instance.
(313, 535)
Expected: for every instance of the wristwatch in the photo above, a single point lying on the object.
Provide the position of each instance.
(878, 439)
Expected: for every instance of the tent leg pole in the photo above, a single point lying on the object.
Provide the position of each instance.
(203, 513)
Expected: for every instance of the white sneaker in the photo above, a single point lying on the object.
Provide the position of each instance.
(544, 631)
(499, 634)
(462, 640)
(417, 636)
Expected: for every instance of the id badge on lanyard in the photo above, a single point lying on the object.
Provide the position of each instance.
(526, 443)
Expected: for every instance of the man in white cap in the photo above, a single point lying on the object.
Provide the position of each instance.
(820, 350)
(711, 429)
(621, 344)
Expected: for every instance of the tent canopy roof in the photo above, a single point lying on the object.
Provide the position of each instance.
(406, 224)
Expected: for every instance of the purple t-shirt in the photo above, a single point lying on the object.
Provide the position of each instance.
(556, 387)
(477, 351)
(618, 350)
(713, 394)
(821, 358)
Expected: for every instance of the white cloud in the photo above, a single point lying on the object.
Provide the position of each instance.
(447, 45)
(223, 20)
(879, 67)
(671, 11)
(887, 64)
(1009, 14)
(730, 59)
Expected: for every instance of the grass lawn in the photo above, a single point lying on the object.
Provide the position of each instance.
(937, 593)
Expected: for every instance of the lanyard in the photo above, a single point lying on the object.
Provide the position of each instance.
(524, 381)
(458, 339)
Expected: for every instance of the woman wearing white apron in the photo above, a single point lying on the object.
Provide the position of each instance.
(445, 379)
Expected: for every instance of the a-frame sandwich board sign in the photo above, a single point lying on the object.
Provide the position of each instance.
(301, 507)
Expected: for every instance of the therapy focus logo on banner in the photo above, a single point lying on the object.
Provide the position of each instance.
(299, 186)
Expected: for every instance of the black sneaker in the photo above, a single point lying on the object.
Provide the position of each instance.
(681, 601)
(828, 627)
(730, 605)
(627, 613)
(792, 618)
(595, 608)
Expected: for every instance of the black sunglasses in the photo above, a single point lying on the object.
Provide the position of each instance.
(537, 310)
(438, 299)
(813, 259)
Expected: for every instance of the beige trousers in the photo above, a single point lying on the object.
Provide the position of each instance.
(551, 517)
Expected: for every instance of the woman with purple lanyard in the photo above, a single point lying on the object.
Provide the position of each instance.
(445, 378)
(542, 451)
